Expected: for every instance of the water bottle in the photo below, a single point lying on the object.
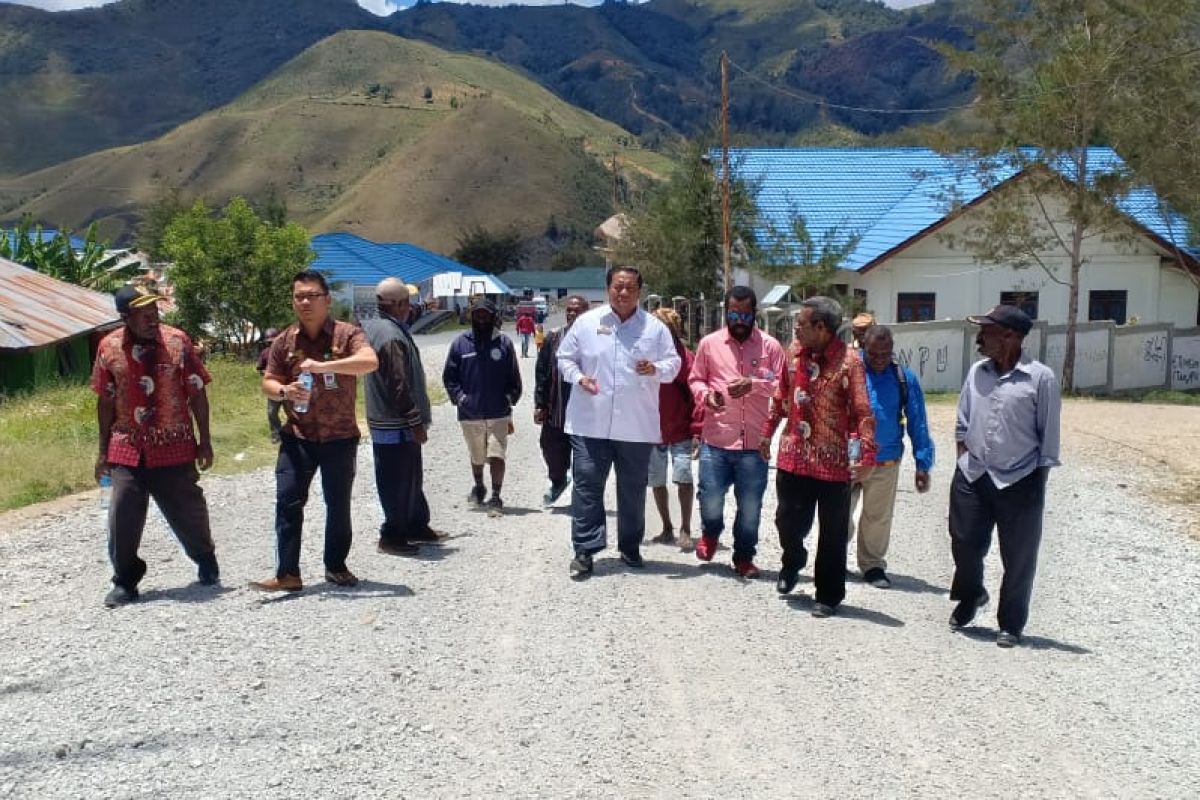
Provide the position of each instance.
(307, 382)
(105, 491)
(854, 449)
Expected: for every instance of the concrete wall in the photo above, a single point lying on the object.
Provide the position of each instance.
(1185, 359)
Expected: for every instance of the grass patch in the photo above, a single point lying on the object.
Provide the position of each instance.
(48, 439)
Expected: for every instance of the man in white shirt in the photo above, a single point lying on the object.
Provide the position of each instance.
(615, 357)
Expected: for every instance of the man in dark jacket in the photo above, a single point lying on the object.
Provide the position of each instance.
(483, 381)
(550, 396)
(398, 416)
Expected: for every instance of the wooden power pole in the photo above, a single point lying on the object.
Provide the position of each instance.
(727, 243)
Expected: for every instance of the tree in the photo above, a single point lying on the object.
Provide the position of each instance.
(232, 272)
(807, 264)
(675, 238)
(154, 221)
(1055, 77)
(91, 266)
(490, 251)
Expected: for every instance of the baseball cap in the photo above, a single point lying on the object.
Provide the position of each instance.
(1009, 317)
(482, 302)
(131, 296)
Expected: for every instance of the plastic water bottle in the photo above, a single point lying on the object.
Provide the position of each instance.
(854, 449)
(105, 491)
(307, 382)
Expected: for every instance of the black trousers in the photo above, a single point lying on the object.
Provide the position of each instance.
(1016, 514)
(399, 479)
(799, 497)
(178, 495)
(556, 450)
(298, 463)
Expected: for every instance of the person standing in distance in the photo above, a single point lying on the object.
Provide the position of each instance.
(1007, 435)
(399, 417)
(614, 357)
(150, 388)
(550, 396)
(525, 329)
(322, 437)
(896, 398)
(674, 452)
(734, 377)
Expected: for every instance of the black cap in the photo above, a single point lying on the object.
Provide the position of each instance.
(131, 296)
(1009, 317)
(482, 302)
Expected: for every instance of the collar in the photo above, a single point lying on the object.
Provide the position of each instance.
(755, 336)
(326, 328)
(396, 320)
(612, 315)
(832, 354)
(1024, 364)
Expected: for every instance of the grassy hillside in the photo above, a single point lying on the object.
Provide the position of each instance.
(346, 136)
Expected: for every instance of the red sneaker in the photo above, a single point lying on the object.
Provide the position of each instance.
(746, 569)
(706, 548)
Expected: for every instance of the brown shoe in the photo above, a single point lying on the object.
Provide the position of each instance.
(286, 583)
(341, 578)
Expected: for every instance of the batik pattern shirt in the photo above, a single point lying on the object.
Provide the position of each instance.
(331, 408)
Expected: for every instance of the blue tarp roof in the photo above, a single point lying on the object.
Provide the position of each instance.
(890, 195)
(47, 234)
(346, 258)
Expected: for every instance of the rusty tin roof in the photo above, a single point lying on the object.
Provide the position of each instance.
(37, 310)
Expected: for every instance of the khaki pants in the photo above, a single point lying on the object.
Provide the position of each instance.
(878, 494)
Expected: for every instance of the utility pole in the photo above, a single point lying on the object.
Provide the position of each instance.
(727, 243)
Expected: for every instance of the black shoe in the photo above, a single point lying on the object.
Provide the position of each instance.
(428, 536)
(495, 506)
(120, 596)
(633, 559)
(821, 610)
(964, 612)
(209, 572)
(787, 580)
(555, 491)
(581, 566)
(392, 547)
(1005, 639)
(877, 578)
(477, 495)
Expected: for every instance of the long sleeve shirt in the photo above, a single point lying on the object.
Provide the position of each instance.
(551, 392)
(884, 388)
(823, 396)
(1009, 423)
(721, 360)
(600, 346)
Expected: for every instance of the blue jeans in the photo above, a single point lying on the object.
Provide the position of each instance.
(593, 459)
(746, 472)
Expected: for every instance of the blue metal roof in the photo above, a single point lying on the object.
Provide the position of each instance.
(346, 258)
(546, 280)
(890, 195)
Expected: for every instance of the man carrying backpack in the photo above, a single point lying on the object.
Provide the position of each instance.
(896, 397)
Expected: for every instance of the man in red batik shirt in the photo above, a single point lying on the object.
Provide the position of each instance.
(823, 396)
(150, 383)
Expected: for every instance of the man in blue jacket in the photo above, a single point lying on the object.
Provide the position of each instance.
(896, 399)
(483, 381)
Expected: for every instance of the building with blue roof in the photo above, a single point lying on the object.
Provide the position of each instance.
(908, 204)
(354, 266)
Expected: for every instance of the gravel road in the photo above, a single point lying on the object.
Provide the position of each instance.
(480, 669)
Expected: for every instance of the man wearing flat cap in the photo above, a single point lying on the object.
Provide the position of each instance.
(482, 379)
(1007, 434)
(150, 384)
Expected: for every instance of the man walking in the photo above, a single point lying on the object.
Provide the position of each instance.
(398, 416)
(550, 396)
(525, 329)
(896, 398)
(1007, 435)
(823, 396)
(313, 369)
(274, 407)
(483, 381)
(735, 375)
(614, 357)
(150, 387)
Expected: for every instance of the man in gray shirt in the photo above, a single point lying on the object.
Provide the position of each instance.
(1007, 434)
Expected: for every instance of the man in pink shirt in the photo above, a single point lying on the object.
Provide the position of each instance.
(734, 377)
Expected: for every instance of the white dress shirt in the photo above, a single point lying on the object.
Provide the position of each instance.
(600, 346)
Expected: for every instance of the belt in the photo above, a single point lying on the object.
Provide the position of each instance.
(891, 463)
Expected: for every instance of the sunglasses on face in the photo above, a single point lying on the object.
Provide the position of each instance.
(744, 317)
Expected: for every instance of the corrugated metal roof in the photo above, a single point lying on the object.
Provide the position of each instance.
(37, 310)
(891, 195)
(546, 280)
(347, 258)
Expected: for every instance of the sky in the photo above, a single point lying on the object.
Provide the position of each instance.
(382, 7)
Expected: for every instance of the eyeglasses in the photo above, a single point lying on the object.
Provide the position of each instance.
(744, 317)
(311, 297)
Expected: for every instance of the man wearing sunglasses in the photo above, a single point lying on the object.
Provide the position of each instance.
(734, 378)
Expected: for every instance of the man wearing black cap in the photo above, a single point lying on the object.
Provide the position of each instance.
(150, 383)
(482, 379)
(1008, 437)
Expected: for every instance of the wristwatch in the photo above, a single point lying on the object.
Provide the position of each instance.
(282, 392)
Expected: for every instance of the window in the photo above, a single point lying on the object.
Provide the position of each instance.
(1107, 304)
(916, 306)
(1026, 301)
